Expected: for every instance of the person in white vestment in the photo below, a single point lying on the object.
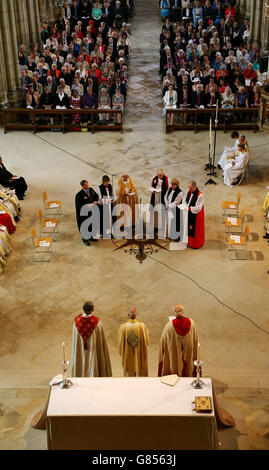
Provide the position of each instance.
(229, 150)
(173, 199)
(234, 168)
(90, 356)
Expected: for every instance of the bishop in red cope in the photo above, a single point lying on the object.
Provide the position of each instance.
(178, 346)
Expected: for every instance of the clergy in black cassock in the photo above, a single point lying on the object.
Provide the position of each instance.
(107, 197)
(8, 180)
(89, 198)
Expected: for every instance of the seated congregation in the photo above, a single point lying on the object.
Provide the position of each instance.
(206, 58)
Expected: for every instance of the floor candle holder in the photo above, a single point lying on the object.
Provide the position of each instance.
(65, 383)
(198, 383)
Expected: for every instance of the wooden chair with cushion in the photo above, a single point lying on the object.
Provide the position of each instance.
(235, 224)
(51, 207)
(231, 207)
(238, 243)
(47, 225)
(41, 245)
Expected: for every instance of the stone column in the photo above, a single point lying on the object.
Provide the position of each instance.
(31, 21)
(251, 12)
(10, 50)
(22, 22)
(51, 11)
(258, 19)
(3, 80)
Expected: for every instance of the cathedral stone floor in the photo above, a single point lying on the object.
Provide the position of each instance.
(227, 299)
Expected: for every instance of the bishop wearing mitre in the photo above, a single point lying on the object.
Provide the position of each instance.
(178, 346)
(127, 194)
(133, 346)
(90, 356)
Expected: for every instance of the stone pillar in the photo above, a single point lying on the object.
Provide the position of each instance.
(3, 80)
(31, 21)
(51, 16)
(10, 66)
(259, 8)
(22, 25)
(251, 12)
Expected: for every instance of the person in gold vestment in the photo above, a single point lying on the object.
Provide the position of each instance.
(90, 356)
(127, 194)
(178, 346)
(133, 346)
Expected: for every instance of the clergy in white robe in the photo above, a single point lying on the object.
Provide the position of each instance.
(229, 150)
(173, 199)
(107, 197)
(234, 168)
(133, 346)
(178, 345)
(232, 152)
(90, 356)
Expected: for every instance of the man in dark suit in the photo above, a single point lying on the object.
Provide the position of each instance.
(198, 100)
(212, 97)
(87, 196)
(118, 84)
(8, 180)
(198, 97)
(74, 10)
(85, 14)
(107, 14)
(186, 15)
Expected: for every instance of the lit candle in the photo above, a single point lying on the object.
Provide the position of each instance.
(198, 352)
(63, 345)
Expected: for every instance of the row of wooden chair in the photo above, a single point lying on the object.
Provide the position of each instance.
(237, 231)
(43, 244)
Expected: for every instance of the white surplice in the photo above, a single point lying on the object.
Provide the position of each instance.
(228, 151)
(199, 203)
(170, 205)
(107, 200)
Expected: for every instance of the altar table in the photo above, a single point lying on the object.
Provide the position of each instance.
(129, 414)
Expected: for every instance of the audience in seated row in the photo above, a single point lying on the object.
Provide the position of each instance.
(206, 57)
(83, 62)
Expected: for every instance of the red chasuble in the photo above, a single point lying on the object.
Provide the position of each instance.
(85, 326)
(197, 235)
